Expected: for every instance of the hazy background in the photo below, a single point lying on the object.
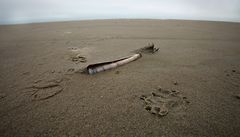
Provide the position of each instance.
(28, 11)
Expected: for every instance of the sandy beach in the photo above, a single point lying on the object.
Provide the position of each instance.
(189, 88)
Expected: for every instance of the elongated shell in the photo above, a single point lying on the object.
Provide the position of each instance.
(104, 67)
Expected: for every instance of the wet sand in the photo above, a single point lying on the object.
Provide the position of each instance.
(190, 87)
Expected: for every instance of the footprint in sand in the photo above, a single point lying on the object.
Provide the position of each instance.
(76, 55)
(78, 58)
(162, 101)
(42, 90)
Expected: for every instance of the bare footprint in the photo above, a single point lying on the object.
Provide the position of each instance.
(162, 101)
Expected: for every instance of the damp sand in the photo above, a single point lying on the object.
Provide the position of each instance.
(190, 87)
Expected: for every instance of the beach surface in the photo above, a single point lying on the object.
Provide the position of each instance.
(189, 88)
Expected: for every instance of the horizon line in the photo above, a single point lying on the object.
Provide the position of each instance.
(98, 19)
